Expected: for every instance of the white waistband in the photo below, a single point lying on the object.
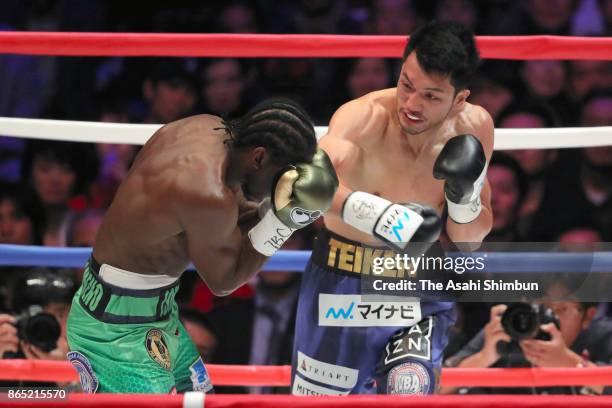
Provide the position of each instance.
(130, 280)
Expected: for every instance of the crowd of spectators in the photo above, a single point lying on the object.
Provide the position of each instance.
(55, 193)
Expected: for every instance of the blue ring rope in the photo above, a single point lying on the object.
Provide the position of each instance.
(286, 260)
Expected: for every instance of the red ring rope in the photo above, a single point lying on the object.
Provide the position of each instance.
(39, 370)
(354, 401)
(268, 45)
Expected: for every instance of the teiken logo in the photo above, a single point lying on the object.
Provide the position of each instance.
(352, 311)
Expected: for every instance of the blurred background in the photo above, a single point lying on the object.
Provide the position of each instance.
(55, 193)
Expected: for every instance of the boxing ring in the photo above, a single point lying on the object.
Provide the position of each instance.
(235, 45)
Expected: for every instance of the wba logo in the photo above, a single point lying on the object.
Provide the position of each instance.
(340, 313)
(351, 311)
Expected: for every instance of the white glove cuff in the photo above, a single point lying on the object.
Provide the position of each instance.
(269, 234)
(379, 217)
(464, 213)
(362, 210)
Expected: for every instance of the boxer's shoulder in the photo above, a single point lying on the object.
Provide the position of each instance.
(363, 118)
(475, 120)
(472, 117)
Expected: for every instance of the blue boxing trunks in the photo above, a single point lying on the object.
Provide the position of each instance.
(346, 343)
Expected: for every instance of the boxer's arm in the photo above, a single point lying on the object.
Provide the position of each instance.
(341, 143)
(478, 229)
(338, 150)
(220, 251)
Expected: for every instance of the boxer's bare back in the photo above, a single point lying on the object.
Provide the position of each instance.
(176, 205)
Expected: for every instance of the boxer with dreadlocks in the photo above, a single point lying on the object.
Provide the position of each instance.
(181, 202)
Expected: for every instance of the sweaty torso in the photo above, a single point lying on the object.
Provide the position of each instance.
(395, 165)
(142, 231)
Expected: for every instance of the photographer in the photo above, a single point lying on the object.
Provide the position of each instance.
(579, 341)
(36, 328)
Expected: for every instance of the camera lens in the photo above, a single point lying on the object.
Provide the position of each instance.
(520, 321)
(39, 329)
(43, 331)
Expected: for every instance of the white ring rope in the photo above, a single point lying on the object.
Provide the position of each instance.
(123, 133)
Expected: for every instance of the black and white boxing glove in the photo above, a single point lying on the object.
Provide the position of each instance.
(393, 224)
(463, 165)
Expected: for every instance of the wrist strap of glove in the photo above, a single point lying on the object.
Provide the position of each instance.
(269, 234)
(464, 213)
(467, 212)
(394, 224)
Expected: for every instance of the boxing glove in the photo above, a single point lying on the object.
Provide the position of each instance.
(463, 166)
(393, 224)
(300, 195)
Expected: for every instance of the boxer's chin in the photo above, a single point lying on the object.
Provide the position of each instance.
(414, 130)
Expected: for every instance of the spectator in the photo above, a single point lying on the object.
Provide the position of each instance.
(52, 291)
(508, 188)
(56, 171)
(546, 81)
(170, 91)
(83, 228)
(606, 10)
(21, 218)
(581, 188)
(587, 76)
(461, 11)
(536, 163)
(580, 235)
(202, 332)
(239, 17)
(27, 85)
(394, 17)
(307, 16)
(585, 237)
(548, 16)
(580, 341)
(224, 85)
(115, 159)
(364, 75)
(22, 221)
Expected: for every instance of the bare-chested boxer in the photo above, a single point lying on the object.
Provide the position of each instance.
(422, 144)
(184, 201)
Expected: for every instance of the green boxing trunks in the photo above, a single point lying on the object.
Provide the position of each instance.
(125, 335)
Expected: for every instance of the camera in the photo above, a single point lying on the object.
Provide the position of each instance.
(38, 328)
(522, 321)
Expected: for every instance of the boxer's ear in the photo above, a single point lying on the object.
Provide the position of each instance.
(461, 98)
(462, 95)
(258, 155)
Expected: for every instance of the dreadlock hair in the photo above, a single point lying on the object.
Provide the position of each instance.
(281, 126)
